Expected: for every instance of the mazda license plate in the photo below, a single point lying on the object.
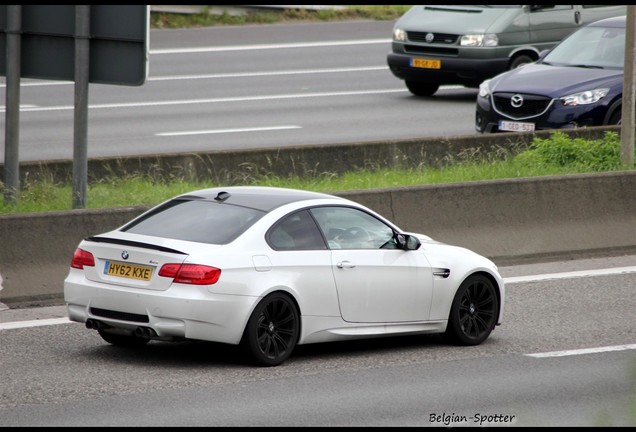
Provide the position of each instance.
(512, 126)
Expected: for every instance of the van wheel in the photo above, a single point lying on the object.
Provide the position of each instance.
(520, 60)
(421, 89)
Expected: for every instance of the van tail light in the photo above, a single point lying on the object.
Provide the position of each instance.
(82, 258)
(192, 274)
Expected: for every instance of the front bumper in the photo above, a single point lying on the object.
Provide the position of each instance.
(556, 117)
(466, 72)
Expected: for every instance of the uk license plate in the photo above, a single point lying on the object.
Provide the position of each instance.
(126, 270)
(512, 126)
(424, 63)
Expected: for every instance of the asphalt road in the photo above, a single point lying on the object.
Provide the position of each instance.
(244, 87)
(565, 356)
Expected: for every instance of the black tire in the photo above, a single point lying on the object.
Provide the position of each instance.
(615, 118)
(128, 341)
(421, 89)
(272, 330)
(473, 314)
(520, 60)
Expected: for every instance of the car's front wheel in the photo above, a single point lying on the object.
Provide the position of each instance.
(474, 311)
(272, 330)
(420, 88)
(615, 118)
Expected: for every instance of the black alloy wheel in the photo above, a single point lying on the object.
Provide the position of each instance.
(474, 311)
(272, 330)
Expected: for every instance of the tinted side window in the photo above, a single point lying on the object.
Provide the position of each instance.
(297, 231)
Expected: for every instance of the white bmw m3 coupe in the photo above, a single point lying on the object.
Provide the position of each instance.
(271, 268)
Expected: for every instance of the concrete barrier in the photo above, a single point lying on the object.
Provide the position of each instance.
(510, 221)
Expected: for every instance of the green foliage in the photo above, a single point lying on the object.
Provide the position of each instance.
(577, 153)
(556, 155)
(208, 17)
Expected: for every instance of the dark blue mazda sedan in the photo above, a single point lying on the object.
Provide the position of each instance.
(578, 83)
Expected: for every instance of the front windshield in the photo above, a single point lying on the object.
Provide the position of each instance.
(601, 47)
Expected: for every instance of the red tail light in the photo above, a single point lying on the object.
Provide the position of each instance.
(193, 274)
(82, 258)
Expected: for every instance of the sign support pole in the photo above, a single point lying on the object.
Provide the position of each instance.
(629, 82)
(80, 126)
(12, 104)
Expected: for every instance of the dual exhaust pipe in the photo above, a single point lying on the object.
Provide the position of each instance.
(145, 332)
(95, 325)
(141, 332)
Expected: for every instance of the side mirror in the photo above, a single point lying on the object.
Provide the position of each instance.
(407, 242)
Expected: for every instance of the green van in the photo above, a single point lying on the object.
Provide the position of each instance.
(467, 44)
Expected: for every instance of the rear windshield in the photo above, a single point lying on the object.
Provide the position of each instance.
(196, 220)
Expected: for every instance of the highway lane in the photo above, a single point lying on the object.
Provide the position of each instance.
(565, 356)
(234, 88)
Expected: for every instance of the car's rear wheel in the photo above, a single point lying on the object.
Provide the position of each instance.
(122, 340)
(473, 313)
(420, 88)
(272, 330)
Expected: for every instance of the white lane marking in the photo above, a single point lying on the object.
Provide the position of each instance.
(570, 275)
(582, 351)
(510, 280)
(267, 46)
(220, 131)
(214, 100)
(38, 83)
(33, 323)
(271, 73)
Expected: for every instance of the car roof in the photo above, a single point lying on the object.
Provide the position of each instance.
(618, 22)
(258, 197)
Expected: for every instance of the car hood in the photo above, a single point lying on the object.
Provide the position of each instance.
(458, 19)
(554, 81)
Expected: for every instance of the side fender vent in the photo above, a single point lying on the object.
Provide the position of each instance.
(441, 272)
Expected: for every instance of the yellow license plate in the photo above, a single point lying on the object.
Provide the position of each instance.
(426, 63)
(125, 270)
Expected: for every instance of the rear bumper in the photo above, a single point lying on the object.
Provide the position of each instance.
(194, 314)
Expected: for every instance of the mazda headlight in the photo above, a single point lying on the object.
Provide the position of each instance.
(399, 35)
(585, 98)
(484, 89)
(477, 40)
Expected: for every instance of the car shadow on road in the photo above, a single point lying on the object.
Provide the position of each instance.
(206, 354)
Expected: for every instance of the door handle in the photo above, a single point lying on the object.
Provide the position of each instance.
(345, 264)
